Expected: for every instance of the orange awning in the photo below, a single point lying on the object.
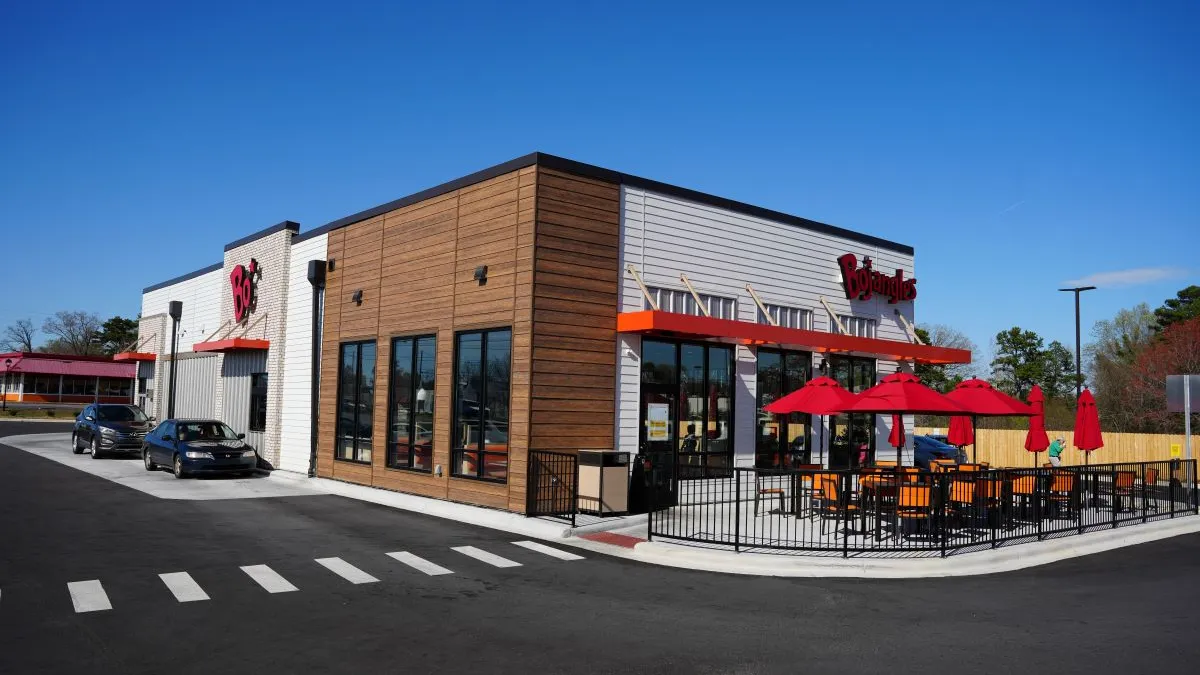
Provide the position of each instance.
(231, 345)
(688, 327)
(134, 356)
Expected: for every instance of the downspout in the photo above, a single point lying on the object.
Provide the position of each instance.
(316, 277)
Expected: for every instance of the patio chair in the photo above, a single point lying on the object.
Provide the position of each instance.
(912, 503)
(770, 485)
(1025, 489)
(884, 464)
(834, 502)
(1145, 489)
(1062, 492)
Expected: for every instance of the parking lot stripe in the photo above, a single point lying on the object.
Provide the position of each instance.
(88, 596)
(346, 571)
(269, 579)
(489, 558)
(183, 586)
(552, 552)
(420, 563)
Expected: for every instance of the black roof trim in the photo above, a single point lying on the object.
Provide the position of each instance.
(190, 275)
(471, 179)
(600, 173)
(277, 227)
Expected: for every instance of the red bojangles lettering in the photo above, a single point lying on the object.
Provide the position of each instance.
(242, 281)
(863, 282)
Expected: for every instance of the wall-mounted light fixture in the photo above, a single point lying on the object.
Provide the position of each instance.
(330, 265)
(481, 274)
(357, 297)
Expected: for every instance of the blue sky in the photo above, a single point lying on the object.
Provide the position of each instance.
(1017, 146)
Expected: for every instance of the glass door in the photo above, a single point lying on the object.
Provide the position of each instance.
(659, 417)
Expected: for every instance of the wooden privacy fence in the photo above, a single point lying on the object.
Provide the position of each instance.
(1006, 447)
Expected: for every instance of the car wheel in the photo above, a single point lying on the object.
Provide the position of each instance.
(150, 465)
(95, 448)
(178, 468)
(75, 445)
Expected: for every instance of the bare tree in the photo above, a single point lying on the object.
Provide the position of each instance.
(75, 333)
(18, 337)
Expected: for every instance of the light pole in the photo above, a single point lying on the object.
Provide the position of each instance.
(4, 400)
(316, 277)
(1078, 364)
(175, 309)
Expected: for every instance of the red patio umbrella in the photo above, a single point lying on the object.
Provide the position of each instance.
(896, 438)
(961, 431)
(903, 393)
(821, 396)
(1036, 440)
(979, 397)
(1087, 425)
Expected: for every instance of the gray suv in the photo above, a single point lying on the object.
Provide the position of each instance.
(110, 428)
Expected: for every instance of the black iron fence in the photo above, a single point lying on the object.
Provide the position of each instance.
(906, 511)
(553, 488)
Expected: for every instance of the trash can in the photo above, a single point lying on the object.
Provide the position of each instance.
(603, 482)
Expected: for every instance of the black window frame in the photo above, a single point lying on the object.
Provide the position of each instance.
(337, 432)
(781, 452)
(831, 365)
(257, 419)
(457, 453)
(414, 384)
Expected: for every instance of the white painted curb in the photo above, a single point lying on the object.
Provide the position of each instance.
(1006, 559)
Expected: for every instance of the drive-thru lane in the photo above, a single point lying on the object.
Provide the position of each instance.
(380, 590)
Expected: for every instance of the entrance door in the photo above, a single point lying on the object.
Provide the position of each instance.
(657, 415)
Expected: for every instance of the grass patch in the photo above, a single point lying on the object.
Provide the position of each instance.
(65, 414)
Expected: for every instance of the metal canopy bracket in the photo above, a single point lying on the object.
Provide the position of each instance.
(761, 307)
(642, 285)
(833, 315)
(695, 295)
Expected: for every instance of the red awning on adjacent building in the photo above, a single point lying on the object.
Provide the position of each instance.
(231, 345)
(62, 364)
(686, 326)
(134, 356)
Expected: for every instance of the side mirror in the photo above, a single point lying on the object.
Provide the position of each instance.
(152, 418)
(90, 418)
(241, 436)
(167, 437)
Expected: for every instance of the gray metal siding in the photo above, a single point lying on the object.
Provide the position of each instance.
(238, 368)
(195, 388)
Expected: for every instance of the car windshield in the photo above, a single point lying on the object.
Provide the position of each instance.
(205, 431)
(120, 413)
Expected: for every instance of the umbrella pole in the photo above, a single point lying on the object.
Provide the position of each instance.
(974, 441)
(900, 461)
(821, 445)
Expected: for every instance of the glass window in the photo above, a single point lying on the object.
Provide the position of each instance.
(483, 373)
(258, 402)
(682, 302)
(855, 325)
(782, 441)
(787, 317)
(702, 424)
(410, 436)
(118, 413)
(42, 384)
(356, 401)
(852, 442)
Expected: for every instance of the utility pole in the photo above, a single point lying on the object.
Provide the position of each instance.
(1078, 362)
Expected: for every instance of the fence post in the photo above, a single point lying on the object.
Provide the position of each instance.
(737, 510)
(1171, 484)
(649, 503)
(1039, 496)
(1113, 490)
(1195, 488)
(1145, 495)
(574, 506)
(1081, 501)
(844, 499)
(943, 504)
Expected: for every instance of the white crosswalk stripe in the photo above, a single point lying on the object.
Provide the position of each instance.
(269, 579)
(420, 563)
(547, 550)
(346, 571)
(183, 586)
(88, 596)
(484, 556)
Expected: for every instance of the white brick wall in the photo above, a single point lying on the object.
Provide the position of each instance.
(201, 297)
(295, 419)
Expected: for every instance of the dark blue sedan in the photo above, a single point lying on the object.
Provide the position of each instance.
(929, 449)
(198, 447)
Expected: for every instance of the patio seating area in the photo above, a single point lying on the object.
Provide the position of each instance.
(889, 510)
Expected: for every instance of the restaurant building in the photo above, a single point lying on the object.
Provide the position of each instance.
(34, 377)
(541, 305)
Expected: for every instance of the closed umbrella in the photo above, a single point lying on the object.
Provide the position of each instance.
(903, 393)
(896, 438)
(979, 397)
(821, 396)
(1087, 425)
(961, 432)
(1037, 440)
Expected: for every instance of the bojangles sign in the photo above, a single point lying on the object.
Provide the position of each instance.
(243, 279)
(863, 282)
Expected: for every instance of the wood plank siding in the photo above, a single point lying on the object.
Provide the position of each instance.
(575, 291)
(550, 243)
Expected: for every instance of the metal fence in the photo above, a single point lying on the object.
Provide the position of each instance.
(909, 512)
(553, 487)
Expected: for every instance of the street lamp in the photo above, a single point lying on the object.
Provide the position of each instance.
(175, 309)
(4, 399)
(1078, 365)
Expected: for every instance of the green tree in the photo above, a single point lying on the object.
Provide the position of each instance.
(1185, 305)
(1058, 371)
(944, 377)
(1110, 359)
(1019, 362)
(117, 334)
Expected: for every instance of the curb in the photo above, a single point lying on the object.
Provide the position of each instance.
(1008, 559)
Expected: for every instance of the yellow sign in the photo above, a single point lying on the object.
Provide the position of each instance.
(657, 422)
(1175, 450)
